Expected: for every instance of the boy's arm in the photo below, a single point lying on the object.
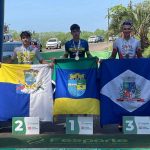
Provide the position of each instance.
(114, 51)
(13, 57)
(88, 54)
(139, 50)
(66, 54)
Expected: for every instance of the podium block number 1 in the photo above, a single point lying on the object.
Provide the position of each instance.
(72, 125)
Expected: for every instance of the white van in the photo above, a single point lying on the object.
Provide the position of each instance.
(93, 39)
(53, 43)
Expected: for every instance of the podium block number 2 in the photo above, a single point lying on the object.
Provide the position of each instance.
(18, 125)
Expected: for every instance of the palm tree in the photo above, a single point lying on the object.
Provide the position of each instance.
(141, 19)
(139, 15)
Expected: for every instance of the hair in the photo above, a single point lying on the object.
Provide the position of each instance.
(127, 22)
(74, 27)
(25, 33)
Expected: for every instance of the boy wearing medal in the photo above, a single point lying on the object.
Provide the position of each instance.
(76, 48)
(26, 53)
(126, 46)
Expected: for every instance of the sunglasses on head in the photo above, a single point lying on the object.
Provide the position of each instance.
(126, 28)
(127, 23)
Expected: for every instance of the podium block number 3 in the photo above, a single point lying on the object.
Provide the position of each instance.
(129, 125)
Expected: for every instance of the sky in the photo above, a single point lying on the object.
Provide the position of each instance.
(58, 15)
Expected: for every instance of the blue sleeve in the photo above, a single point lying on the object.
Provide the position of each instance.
(86, 46)
(66, 48)
(38, 55)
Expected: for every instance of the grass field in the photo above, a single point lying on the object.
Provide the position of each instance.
(101, 54)
(57, 54)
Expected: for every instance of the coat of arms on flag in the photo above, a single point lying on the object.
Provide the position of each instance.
(77, 84)
(31, 84)
(129, 91)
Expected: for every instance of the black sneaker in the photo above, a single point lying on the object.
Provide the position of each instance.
(120, 128)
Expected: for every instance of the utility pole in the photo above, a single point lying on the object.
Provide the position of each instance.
(1, 26)
(130, 4)
(108, 26)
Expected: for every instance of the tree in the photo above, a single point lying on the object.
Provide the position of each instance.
(85, 34)
(15, 34)
(139, 15)
(117, 15)
(141, 20)
(100, 32)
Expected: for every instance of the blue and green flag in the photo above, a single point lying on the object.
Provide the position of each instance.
(76, 88)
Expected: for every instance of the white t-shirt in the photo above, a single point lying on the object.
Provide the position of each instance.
(127, 48)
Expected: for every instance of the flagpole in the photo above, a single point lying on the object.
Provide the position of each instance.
(1, 26)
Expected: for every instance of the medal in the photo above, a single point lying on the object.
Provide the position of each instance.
(77, 50)
(77, 55)
(77, 58)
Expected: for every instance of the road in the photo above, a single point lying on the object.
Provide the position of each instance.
(100, 46)
(92, 46)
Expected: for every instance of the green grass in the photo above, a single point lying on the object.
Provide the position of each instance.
(146, 52)
(101, 54)
(47, 55)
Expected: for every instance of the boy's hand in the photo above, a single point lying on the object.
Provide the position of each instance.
(51, 65)
(52, 59)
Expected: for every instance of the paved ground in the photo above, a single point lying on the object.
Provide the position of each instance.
(92, 46)
(101, 50)
(99, 46)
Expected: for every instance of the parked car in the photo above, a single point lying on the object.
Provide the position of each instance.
(93, 39)
(8, 48)
(113, 38)
(100, 38)
(53, 43)
(7, 37)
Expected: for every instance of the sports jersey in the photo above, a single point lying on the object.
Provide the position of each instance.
(127, 48)
(26, 55)
(72, 48)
